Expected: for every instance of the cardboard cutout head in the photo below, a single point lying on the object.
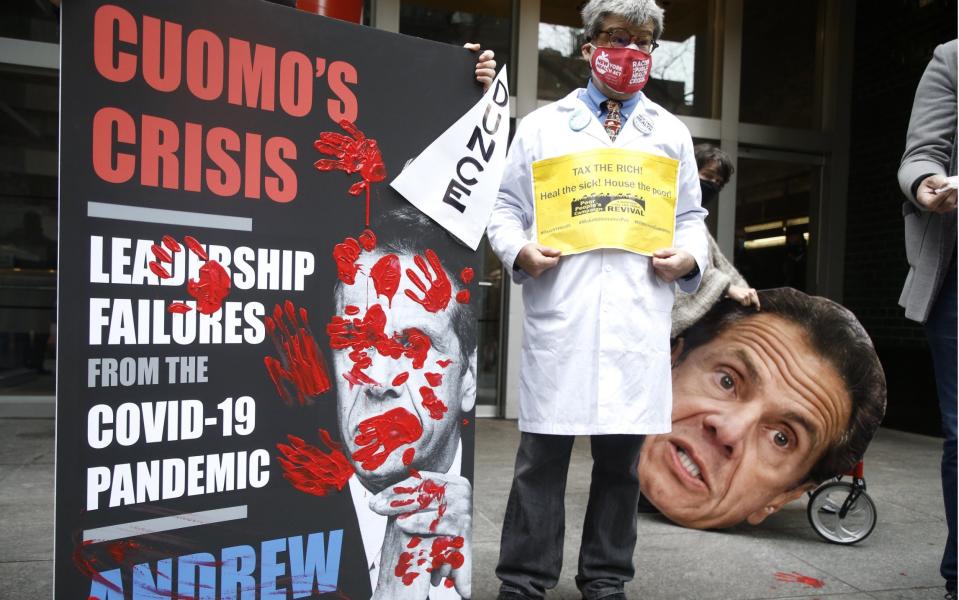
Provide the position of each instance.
(765, 406)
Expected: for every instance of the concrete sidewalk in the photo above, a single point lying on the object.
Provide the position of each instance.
(899, 560)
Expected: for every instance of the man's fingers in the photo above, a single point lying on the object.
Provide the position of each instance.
(664, 253)
(472, 46)
(550, 252)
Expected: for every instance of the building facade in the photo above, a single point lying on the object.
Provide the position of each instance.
(811, 99)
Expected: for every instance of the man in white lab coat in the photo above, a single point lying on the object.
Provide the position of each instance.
(596, 331)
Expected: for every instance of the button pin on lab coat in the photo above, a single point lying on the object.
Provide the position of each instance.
(643, 124)
(579, 119)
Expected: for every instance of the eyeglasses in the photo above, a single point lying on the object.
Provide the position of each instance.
(618, 37)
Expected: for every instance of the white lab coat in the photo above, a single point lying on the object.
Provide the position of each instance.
(596, 330)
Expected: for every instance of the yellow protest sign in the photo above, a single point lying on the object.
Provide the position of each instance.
(605, 198)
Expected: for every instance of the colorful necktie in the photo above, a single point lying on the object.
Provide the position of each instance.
(613, 119)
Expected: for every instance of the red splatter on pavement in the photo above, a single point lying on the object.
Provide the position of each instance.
(368, 240)
(195, 247)
(159, 270)
(400, 379)
(301, 369)
(444, 363)
(354, 154)
(463, 296)
(386, 276)
(345, 255)
(160, 253)
(408, 455)
(437, 295)
(433, 404)
(211, 289)
(178, 308)
(466, 275)
(380, 435)
(402, 569)
(795, 577)
(312, 470)
(171, 244)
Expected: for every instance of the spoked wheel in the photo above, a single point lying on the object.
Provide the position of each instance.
(826, 507)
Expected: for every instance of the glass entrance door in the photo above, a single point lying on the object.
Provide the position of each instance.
(777, 201)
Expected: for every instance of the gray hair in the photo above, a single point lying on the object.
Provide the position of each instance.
(634, 11)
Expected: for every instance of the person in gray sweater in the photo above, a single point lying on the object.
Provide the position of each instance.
(721, 279)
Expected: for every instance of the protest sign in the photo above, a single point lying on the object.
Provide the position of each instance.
(266, 358)
(605, 198)
(456, 178)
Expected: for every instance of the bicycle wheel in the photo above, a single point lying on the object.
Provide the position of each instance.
(823, 512)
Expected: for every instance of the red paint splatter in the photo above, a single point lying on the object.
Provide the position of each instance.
(445, 551)
(433, 404)
(466, 275)
(91, 568)
(118, 550)
(414, 473)
(195, 246)
(402, 569)
(301, 369)
(400, 379)
(434, 379)
(437, 295)
(463, 296)
(428, 493)
(380, 435)
(160, 253)
(312, 470)
(359, 335)
(795, 577)
(178, 308)
(354, 154)
(171, 244)
(448, 582)
(418, 346)
(386, 276)
(211, 289)
(368, 240)
(414, 542)
(351, 310)
(159, 270)
(444, 363)
(408, 455)
(345, 255)
(399, 503)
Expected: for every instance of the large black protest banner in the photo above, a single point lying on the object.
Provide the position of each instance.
(267, 357)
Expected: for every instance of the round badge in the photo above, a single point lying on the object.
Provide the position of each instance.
(643, 124)
(579, 120)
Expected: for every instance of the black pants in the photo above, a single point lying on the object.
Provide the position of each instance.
(531, 551)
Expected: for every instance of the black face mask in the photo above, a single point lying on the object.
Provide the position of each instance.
(710, 190)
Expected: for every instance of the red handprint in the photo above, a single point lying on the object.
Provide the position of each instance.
(301, 365)
(312, 470)
(379, 436)
(209, 291)
(437, 296)
(356, 154)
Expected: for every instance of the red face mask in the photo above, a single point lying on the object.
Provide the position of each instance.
(623, 70)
